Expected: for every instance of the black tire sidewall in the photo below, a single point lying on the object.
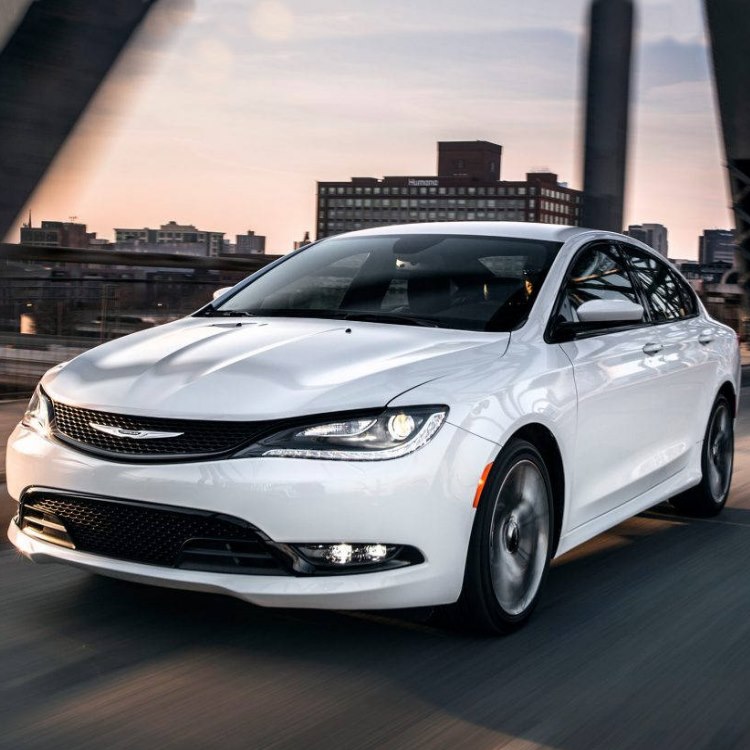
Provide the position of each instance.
(699, 501)
(721, 400)
(478, 574)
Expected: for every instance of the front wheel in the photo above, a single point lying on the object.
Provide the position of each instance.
(510, 544)
(717, 461)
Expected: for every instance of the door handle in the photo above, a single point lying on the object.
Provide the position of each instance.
(706, 337)
(652, 348)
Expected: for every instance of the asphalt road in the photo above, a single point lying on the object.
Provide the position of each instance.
(642, 641)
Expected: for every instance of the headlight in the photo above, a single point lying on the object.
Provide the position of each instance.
(386, 434)
(38, 414)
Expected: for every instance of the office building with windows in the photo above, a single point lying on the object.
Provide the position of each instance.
(250, 244)
(716, 245)
(171, 234)
(653, 235)
(56, 234)
(466, 188)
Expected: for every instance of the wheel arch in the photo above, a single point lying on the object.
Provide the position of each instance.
(546, 443)
(727, 389)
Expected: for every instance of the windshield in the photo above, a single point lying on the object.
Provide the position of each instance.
(451, 281)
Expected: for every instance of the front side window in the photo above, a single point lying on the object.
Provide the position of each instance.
(452, 281)
(597, 273)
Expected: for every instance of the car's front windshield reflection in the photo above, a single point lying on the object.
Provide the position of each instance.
(453, 281)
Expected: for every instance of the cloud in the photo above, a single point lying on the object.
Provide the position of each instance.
(328, 19)
(523, 63)
(681, 19)
(669, 61)
(271, 20)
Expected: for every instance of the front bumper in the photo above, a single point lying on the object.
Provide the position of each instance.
(423, 500)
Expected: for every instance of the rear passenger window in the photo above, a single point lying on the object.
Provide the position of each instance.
(688, 298)
(662, 288)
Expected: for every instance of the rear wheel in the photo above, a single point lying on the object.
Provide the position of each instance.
(510, 544)
(717, 461)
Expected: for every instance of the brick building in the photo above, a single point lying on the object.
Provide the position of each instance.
(467, 187)
(56, 234)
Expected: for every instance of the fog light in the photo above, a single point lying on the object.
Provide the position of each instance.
(376, 552)
(342, 554)
(344, 558)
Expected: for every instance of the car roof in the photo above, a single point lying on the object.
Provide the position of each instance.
(514, 229)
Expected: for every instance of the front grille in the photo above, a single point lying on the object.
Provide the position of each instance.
(146, 533)
(198, 438)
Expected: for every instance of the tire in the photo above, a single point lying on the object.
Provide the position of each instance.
(717, 460)
(510, 546)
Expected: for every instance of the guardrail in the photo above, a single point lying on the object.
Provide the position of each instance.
(58, 302)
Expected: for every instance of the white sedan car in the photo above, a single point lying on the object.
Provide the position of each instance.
(396, 417)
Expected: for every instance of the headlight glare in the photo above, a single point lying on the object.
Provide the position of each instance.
(400, 426)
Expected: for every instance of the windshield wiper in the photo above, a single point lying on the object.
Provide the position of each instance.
(294, 312)
(291, 312)
(364, 316)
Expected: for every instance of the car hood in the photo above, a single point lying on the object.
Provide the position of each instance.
(237, 369)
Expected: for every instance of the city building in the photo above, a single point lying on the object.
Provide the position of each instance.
(653, 235)
(700, 275)
(718, 286)
(467, 187)
(716, 245)
(250, 244)
(56, 234)
(171, 234)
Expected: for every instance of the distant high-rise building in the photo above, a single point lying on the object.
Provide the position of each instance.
(716, 245)
(653, 235)
(467, 187)
(56, 234)
(170, 234)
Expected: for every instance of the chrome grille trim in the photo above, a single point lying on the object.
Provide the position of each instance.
(183, 439)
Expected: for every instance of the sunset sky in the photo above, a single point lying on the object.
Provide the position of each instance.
(224, 114)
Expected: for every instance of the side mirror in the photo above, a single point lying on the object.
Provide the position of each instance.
(609, 311)
(225, 289)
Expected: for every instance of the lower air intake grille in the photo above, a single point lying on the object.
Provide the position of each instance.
(146, 533)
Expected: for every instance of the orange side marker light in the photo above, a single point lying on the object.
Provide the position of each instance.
(481, 484)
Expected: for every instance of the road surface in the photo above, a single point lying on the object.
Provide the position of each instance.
(642, 641)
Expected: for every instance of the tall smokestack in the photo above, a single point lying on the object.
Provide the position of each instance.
(607, 110)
